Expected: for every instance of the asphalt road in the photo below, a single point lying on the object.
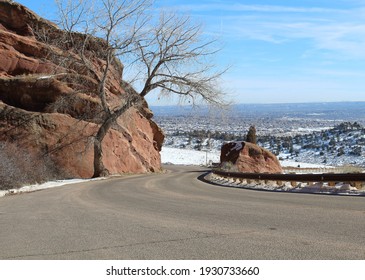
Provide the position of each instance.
(176, 216)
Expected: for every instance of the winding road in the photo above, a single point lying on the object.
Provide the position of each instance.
(174, 215)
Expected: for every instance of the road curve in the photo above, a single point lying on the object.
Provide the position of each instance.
(176, 216)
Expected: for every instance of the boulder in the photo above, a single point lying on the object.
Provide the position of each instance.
(249, 158)
(48, 103)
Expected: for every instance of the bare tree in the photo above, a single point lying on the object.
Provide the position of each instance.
(175, 58)
(103, 30)
(170, 53)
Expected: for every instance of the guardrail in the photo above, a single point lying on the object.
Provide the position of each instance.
(354, 179)
(309, 170)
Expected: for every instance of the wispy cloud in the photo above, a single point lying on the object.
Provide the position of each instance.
(342, 38)
(336, 30)
(237, 8)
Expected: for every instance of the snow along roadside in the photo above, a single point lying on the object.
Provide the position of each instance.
(47, 185)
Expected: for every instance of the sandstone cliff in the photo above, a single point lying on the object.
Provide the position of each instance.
(48, 104)
(249, 158)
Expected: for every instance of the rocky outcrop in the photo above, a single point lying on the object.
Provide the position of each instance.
(48, 103)
(249, 158)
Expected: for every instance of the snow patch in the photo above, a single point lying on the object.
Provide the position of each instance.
(188, 157)
(47, 185)
(292, 163)
(237, 147)
(45, 77)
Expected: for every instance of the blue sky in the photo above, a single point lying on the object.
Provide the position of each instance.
(279, 51)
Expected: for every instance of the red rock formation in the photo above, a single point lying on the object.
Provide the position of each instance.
(249, 158)
(50, 107)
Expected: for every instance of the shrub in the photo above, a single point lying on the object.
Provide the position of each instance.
(18, 167)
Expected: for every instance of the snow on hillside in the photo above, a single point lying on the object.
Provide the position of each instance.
(292, 163)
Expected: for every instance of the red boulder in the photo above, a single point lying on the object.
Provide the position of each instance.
(249, 158)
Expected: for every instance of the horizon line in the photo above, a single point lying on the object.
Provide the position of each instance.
(279, 103)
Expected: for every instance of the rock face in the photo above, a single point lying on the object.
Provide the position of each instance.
(48, 103)
(249, 158)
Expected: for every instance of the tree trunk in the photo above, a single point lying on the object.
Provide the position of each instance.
(99, 168)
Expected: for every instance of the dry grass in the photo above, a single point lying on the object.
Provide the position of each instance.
(228, 167)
